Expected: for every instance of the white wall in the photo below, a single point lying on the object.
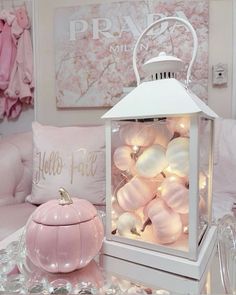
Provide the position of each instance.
(22, 124)
(220, 50)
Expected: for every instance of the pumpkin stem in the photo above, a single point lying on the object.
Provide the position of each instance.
(65, 198)
(147, 222)
(114, 231)
(135, 232)
(163, 174)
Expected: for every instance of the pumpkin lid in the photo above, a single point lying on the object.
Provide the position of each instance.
(59, 213)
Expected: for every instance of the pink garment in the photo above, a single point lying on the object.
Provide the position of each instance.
(7, 56)
(13, 108)
(22, 18)
(1, 28)
(21, 75)
(1, 25)
(2, 105)
(8, 16)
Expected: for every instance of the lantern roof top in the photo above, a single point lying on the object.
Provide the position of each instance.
(157, 98)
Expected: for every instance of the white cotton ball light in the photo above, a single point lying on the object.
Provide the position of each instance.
(128, 224)
(177, 155)
(151, 162)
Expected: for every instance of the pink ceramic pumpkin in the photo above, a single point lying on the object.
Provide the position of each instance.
(166, 224)
(135, 194)
(64, 235)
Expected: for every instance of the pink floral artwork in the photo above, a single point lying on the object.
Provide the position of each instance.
(94, 46)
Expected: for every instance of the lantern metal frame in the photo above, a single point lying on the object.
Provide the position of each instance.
(193, 262)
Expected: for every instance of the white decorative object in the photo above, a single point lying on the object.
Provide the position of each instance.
(128, 224)
(176, 232)
(152, 161)
(177, 155)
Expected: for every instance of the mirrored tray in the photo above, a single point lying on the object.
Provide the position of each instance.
(19, 275)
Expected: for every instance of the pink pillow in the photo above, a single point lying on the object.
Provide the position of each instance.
(69, 157)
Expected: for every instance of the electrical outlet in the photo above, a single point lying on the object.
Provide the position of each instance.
(220, 74)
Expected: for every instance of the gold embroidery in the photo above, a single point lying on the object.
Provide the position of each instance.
(51, 165)
(86, 165)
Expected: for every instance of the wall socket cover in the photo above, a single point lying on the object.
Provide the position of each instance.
(220, 74)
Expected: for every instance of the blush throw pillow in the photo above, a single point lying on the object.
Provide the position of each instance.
(69, 157)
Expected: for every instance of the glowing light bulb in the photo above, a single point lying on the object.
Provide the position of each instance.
(173, 178)
(135, 148)
(168, 169)
(185, 230)
(202, 181)
(159, 189)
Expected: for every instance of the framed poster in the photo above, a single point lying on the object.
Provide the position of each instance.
(94, 45)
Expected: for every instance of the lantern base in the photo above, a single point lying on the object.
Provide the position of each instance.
(165, 262)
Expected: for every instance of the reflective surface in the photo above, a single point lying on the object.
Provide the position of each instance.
(227, 252)
(104, 275)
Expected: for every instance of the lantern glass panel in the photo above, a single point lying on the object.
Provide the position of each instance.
(149, 181)
(205, 167)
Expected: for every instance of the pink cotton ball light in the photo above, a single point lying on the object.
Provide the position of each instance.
(135, 194)
(64, 236)
(166, 223)
(181, 125)
(164, 134)
(123, 159)
(138, 134)
(176, 195)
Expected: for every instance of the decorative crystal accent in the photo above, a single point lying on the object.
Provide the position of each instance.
(6, 263)
(60, 286)
(110, 289)
(84, 288)
(227, 252)
(37, 284)
(15, 284)
(13, 249)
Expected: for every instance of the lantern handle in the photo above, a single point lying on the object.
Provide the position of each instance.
(164, 19)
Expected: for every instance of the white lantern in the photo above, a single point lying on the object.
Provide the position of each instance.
(166, 135)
